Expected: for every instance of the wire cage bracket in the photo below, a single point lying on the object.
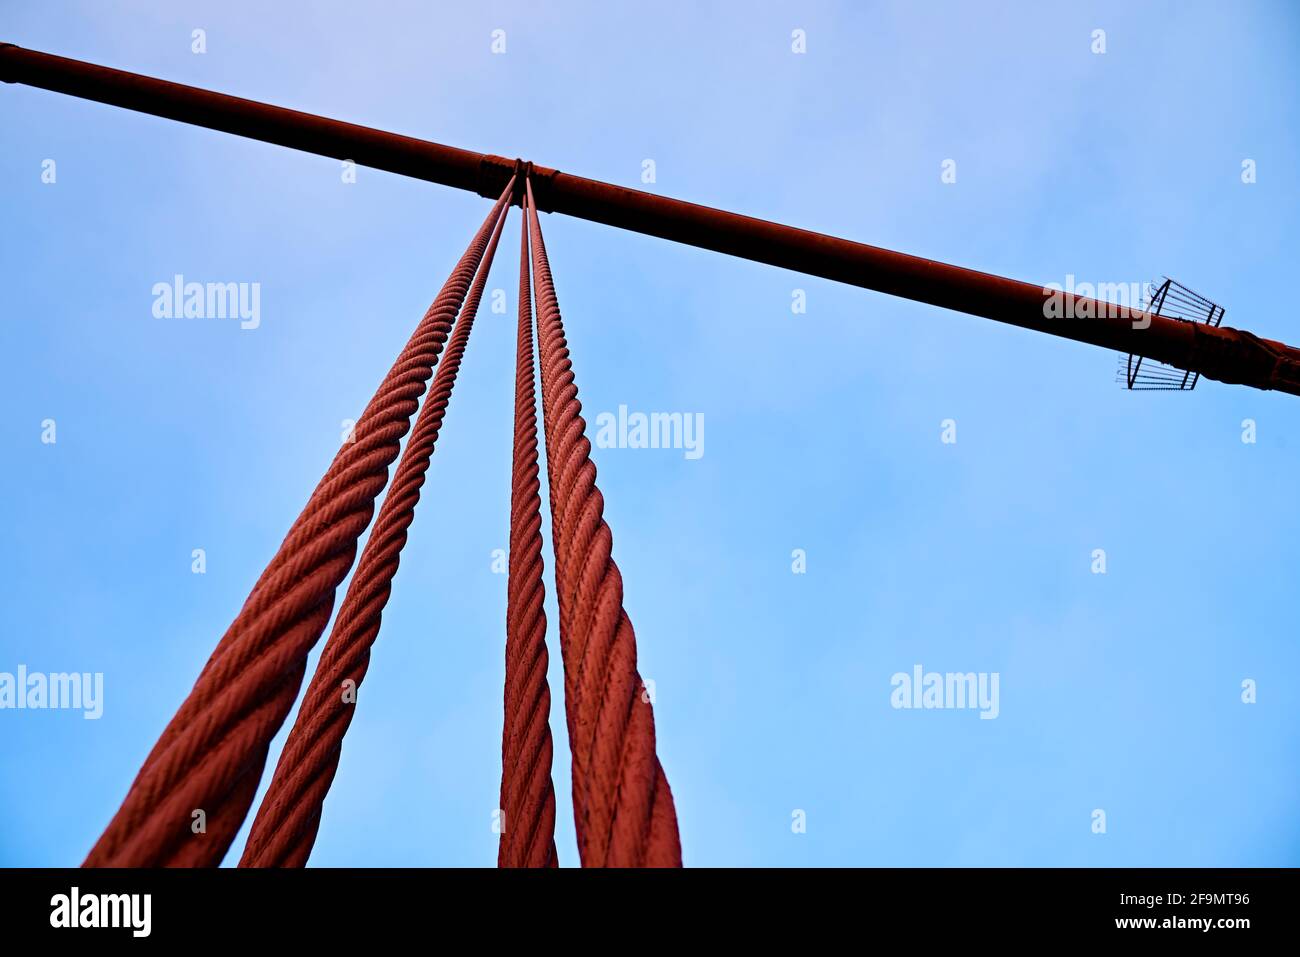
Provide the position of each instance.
(1170, 300)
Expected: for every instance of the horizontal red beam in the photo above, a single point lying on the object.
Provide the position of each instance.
(1225, 354)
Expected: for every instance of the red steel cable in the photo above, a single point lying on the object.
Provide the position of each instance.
(284, 828)
(622, 805)
(527, 794)
(206, 765)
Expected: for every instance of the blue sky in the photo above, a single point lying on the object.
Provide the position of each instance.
(1119, 692)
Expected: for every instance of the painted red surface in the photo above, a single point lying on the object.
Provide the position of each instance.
(285, 826)
(527, 793)
(622, 805)
(211, 756)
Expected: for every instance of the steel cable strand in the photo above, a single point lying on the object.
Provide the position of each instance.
(285, 826)
(623, 806)
(223, 736)
(210, 756)
(527, 792)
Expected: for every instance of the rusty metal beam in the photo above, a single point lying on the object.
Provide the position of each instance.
(1225, 354)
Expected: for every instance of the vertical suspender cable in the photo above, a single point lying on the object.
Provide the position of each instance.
(622, 805)
(284, 828)
(527, 794)
(193, 792)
